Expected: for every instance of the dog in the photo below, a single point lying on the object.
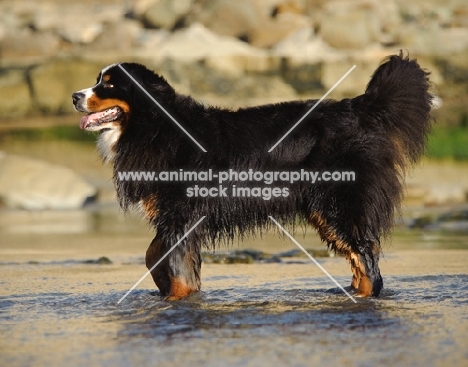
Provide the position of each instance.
(377, 135)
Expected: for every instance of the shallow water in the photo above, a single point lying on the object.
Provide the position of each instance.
(57, 310)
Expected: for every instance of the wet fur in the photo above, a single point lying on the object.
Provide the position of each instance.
(376, 135)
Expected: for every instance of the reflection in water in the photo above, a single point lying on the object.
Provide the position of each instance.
(423, 323)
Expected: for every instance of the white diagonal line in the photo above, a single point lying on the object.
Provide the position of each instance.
(310, 256)
(162, 258)
(162, 108)
(313, 107)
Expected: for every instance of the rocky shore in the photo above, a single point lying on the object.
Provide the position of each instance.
(225, 52)
(222, 52)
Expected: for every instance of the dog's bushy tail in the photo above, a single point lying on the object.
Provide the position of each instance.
(398, 99)
(394, 114)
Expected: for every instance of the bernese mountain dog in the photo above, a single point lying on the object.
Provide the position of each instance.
(376, 135)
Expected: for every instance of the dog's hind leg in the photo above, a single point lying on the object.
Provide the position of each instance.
(367, 280)
(364, 259)
(178, 274)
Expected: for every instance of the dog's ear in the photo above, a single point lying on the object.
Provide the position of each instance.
(146, 87)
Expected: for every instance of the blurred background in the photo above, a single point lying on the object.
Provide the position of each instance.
(68, 253)
(228, 53)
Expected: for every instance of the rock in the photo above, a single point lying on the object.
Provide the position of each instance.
(354, 84)
(16, 15)
(255, 91)
(303, 55)
(299, 253)
(35, 185)
(53, 83)
(26, 44)
(80, 32)
(433, 40)
(229, 18)
(304, 78)
(422, 12)
(220, 88)
(460, 16)
(261, 23)
(197, 42)
(269, 33)
(445, 194)
(303, 46)
(151, 39)
(289, 7)
(116, 38)
(301, 42)
(387, 13)
(103, 260)
(15, 99)
(350, 30)
(166, 13)
(139, 7)
(76, 22)
(239, 65)
(454, 67)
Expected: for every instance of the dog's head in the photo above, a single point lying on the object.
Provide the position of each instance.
(106, 103)
(118, 93)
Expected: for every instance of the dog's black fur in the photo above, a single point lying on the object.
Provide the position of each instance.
(376, 135)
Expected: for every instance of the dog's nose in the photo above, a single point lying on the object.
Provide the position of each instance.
(76, 97)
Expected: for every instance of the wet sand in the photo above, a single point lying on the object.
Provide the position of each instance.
(56, 310)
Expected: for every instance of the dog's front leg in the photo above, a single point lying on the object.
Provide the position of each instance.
(178, 274)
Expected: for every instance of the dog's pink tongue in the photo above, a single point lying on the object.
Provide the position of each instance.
(89, 119)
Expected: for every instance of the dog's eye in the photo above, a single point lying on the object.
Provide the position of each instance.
(108, 85)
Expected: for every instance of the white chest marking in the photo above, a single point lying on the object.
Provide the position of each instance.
(106, 143)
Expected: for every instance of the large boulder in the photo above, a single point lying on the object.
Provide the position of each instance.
(166, 13)
(227, 17)
(272, 31)
(433, 40)
(221, 88)
(25, 44)
(350, 30)
(356, 81)
(35, 185)
(76, 22)
(305, 47)
(53, 83)
(262, 23)
(116, 41)
(199, 43)
(15, 99)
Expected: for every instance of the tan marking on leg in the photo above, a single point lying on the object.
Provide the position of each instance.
(179, 290)
(357, 269)
(360, 281)
(365, 287)
(356, 273)
(150, 208)
(172, 288)
(328, 235)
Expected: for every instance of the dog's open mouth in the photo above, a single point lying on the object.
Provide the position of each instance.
(97, 120)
